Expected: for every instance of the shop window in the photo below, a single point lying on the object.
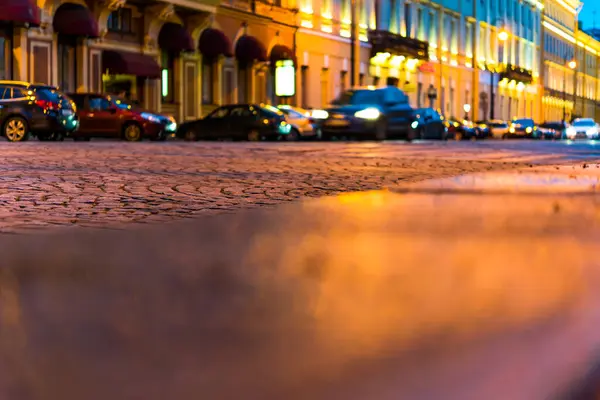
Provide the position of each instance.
(376, 81)
(207, 83)
(120, 21)
(167, 83)
(304, 83)
(361, 79)
(343, 79)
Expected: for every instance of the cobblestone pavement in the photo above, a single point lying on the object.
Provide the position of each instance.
(105, 184)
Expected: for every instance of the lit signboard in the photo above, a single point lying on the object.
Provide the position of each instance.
(285, 78)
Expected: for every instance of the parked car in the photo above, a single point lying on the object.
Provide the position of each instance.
(430, 124)
(460, 130)
(375, 113)
(585, 128)
(303, 126)
(102, 116)
(523, 128)
(498, 129)
(40, 110)
(553, 130)
(253, 122)
(168, 121)
(483, 129)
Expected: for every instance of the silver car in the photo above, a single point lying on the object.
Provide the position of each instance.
(303, 126)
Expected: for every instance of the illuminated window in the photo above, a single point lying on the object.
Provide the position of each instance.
(167, 79)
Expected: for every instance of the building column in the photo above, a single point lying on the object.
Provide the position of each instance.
(82, 63)
(20, 67)
(198, 84)
(251, 82)
(179, 89)
(218, 80)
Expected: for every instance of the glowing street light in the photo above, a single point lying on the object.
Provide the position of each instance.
(572, 64)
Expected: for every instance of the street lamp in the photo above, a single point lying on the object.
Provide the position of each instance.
(572, 65)
(502, 37)
(467, 108)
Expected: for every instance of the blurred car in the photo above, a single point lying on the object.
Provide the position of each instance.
(483, 129)
(370, 113)
(460, 130)
(430, 124)
(103, 116)
(523, 128)
(498, 129)
(303, 125)
(585, 128)
(553, 130)
(42, 110)
(168, 121)
(251, 122)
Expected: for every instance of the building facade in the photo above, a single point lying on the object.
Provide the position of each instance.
(469, 58)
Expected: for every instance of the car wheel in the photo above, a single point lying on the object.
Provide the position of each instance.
(132, 133)
(190, 135)
(293, 136)
(15, 129)
(253, 135)
(381, 131)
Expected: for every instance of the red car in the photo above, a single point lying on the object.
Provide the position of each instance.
(103, 116)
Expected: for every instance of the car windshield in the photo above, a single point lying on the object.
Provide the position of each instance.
(292, 113)
(523, 122)
(354, 97)
(271, 109)
(584, 122)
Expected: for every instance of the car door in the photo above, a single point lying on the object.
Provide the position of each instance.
(397, 110)
(85, 124)
(215, 124)
(4, 97)
(242, 119)
(104, 120)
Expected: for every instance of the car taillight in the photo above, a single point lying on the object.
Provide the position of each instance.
(47, 105)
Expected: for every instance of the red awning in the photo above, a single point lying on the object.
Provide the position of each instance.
(20, 12)
(75, 20)
(214, 43)
(249, 49)
(175, 38)
(118, 62)
(281, 52)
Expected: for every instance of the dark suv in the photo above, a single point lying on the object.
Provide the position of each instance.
(375, 113)
(39, 110)
(104, 116)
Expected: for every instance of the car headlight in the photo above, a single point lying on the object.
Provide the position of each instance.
(368, 113)
(284, 127)
(414, 124)
(171, 127)
(511, 129)
(571, 132)
(150, 117)
(528, 129)
(319, 114)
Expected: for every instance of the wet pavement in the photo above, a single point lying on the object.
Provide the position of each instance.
(109, 184)
(378, 295)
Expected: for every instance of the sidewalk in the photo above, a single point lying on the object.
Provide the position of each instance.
(479, 287)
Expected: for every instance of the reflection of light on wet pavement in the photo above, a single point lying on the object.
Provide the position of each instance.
(319, 300)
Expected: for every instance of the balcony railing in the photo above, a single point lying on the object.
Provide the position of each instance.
(512, 72)
(388, 42)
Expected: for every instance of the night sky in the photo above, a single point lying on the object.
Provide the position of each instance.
(587, 14)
